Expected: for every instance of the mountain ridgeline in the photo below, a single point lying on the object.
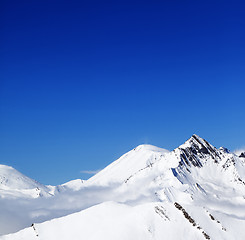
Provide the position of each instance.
(195, 191)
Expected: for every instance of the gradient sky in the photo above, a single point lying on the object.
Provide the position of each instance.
(83, 82)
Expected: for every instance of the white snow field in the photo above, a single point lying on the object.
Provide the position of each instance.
(194, 192)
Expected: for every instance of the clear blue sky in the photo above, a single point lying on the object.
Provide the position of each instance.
(83, 82)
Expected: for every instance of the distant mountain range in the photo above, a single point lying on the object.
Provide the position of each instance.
(194, 192)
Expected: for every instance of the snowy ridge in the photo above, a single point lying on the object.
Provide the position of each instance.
(11, 178)
(148, 193)
(13, 183)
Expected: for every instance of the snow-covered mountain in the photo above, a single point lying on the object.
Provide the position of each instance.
(15, 184)
(195, 191)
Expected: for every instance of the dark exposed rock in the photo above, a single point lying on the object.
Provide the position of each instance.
(35, 230)
(242, 155)
(212, 217)
(190, 219)
(205, 235)
(161, 212)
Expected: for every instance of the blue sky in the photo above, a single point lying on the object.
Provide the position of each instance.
(83, 82)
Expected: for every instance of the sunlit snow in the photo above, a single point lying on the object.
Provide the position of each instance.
(195, 191)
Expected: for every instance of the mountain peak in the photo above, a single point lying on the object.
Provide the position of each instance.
(199, 142)
(5, 167)
(194, 140)
(195, 136)
(149, 147)
(12, 179)
(195, 149)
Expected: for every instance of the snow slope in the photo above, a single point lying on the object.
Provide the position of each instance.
(112, 220)
(15, 184)
(127, 165)
(195, 191)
